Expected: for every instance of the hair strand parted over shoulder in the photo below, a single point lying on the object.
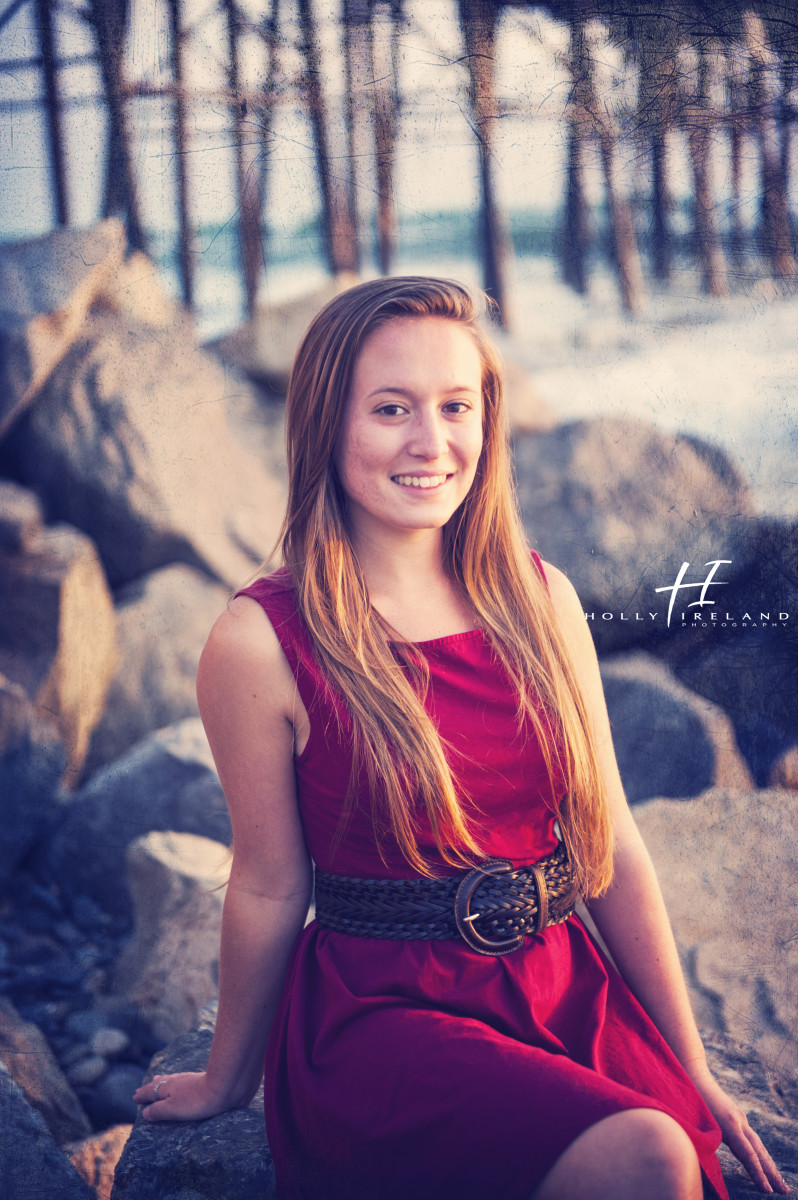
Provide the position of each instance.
(486, 553)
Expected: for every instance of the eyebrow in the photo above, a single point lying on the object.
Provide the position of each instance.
(408, 394)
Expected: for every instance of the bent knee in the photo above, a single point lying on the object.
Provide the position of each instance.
(655, 1137)
(638, 1152)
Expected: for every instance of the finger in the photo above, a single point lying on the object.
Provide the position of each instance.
(766, 1163)
(750, 1150)
(151, 1093)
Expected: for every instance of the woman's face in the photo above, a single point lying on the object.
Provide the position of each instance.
(412, 431)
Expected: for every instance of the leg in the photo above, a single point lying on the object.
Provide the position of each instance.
(639, 1152)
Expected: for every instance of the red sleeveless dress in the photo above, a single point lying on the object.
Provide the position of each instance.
(422, 1069)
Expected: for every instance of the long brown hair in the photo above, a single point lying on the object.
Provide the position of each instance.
(485, 552)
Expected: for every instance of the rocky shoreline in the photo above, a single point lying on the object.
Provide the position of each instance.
(140, 480)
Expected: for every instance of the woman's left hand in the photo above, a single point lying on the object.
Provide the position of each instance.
(743, 1141)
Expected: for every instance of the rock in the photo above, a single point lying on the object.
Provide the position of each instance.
(162, 622)
(226, 1155)
(110, 1101)
(57, 630)
(21, 517)
(95, 1158)
(85, 1024)
(769, 1100)
(129, 442)
(87, 1071)
(31, 1064)
(166, 782)
(726, 863)
(527, 410)
(170, 970)
(110, 1043)
(135, 291)
(31, 1165)
(784, 772)
(668, 741)
(32, 761)
(619, 506)
(264, 346)
(749, 663)
(46, 289)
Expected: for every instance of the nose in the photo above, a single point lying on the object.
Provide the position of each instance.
(428, 436)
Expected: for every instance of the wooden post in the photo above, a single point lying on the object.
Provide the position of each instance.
(699, 123)
(44, 26)
(246, 151)
(591, 113)
(181, 146)
(575, 233)
(737, 120)
(657, 111)
(384, 60)
(339, 234)
(765, 90)
(109, 21)
(355, 21)
(478, 22)
(787, 115)
(272, 36)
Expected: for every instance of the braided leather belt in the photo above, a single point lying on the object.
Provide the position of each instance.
(491, 907)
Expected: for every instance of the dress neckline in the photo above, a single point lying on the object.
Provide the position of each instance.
(447, 639)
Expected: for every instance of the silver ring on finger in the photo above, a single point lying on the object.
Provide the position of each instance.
(157, 1088)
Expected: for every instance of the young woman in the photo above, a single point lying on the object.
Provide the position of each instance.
(413, 704)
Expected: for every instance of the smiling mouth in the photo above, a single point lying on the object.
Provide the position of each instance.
(420, 482)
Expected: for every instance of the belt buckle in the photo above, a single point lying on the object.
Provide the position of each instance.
(464, 918)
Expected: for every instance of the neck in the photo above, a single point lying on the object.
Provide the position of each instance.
(410, 587)
(393, 564)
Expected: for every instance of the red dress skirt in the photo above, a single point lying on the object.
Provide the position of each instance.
(423, 1069)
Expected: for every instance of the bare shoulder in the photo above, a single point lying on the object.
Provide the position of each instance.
(243, 653)
(566, 603)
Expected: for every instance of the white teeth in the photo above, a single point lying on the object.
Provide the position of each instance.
(420, 481)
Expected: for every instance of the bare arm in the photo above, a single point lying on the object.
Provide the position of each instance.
(631, 915)
(247, 699)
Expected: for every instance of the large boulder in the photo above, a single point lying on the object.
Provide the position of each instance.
(166, 782)
(619, 506)
(726, 862)
(31, 1064)
(47, 287)
(265, 345)
(668, 741)
(162, 622)
(170, 970)
(32, 761)
(746, 659)
(57, 620)
(527, 409)
(226, 1155)
(129, 441)
(31, 1165)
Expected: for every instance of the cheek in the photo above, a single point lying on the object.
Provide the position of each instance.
(357, 460)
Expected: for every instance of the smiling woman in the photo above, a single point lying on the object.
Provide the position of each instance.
(410, 445)
(411, 708)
